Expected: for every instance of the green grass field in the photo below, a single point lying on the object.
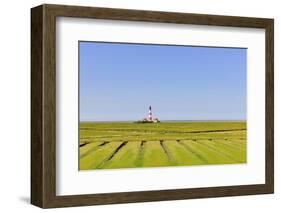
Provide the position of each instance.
(110, 145)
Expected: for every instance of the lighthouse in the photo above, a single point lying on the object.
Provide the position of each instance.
(149, 118)
(149, 114)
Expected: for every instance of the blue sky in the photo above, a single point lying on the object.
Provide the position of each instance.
(118, 82)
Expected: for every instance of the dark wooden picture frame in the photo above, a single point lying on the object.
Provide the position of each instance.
(43, 105)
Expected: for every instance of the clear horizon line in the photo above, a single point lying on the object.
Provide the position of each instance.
(164, 120)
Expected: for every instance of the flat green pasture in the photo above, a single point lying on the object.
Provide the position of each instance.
(111, 145)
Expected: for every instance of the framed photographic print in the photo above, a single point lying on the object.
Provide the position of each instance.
(136, 106)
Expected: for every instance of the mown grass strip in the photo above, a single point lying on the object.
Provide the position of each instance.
(183, 156)
(125, 157)
(231, 152)
(94, 159)
(200, 158)
(107, 160)
(220, 150)
(168, 152)
(85, 150)
(154, 155)
(234, 145)
(212, 156)
(139, 160)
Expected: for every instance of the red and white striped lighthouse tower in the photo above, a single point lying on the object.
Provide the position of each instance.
(150, 114)
(149, 118)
